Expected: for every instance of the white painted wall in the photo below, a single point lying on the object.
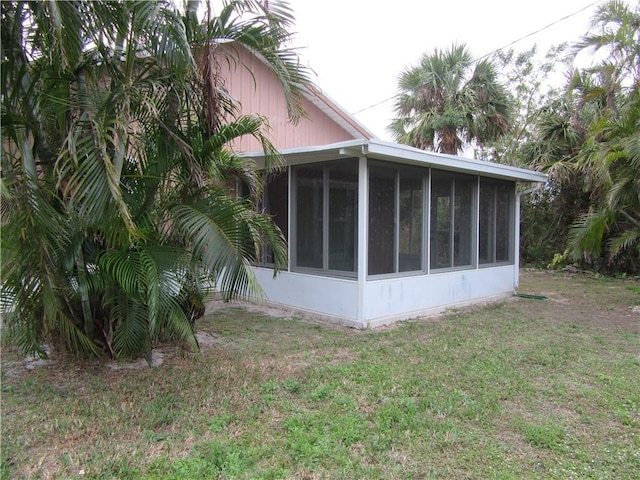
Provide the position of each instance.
(392, 299)
(385, 300)
(328, 298)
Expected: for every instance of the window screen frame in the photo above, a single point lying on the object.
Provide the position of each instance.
(400, 172)
(324, 266)
(452, 181)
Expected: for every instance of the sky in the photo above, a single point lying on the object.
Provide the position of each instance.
(358, 48)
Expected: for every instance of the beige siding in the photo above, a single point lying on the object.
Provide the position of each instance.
(259, 92)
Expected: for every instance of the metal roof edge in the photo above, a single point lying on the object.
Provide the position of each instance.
(374, 148)
(453, 161)
(312, 149)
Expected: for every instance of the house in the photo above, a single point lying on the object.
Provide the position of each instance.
(377, 232)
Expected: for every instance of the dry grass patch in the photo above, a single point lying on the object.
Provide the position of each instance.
(519, 389)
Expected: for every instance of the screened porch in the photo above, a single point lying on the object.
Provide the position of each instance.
(379, 232)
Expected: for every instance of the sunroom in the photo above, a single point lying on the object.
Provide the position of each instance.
(380, 232)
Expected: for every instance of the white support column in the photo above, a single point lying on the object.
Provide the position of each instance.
(476, 226)
(363, 237)
(290, 210)
(426, 218)
(516, 241)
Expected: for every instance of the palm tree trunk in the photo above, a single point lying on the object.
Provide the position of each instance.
(83, 284)
(28, 161)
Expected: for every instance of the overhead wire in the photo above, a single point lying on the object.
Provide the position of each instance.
(566, 17)
(539, 30)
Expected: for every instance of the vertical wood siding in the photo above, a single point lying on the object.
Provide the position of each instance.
(259, 92)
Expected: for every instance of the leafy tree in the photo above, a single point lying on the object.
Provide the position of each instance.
(530, 81)
(556, 141)
(587, 140)
(611, 164)
(610, 157)
(116, 219)
(449, 100)
(545, 213)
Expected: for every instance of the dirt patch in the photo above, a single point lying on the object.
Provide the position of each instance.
(157, 359)
(205, 339)
(216, 304)
(582, 299)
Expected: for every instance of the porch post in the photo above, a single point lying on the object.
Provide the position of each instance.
(516, 246)
(363, 216)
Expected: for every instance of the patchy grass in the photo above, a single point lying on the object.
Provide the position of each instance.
(520, 389)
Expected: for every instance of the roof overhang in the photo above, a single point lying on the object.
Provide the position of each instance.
(402, 154)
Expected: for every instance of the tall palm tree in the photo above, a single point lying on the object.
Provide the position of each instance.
(587, 140)
(615, 29)
(605, 117)
(114, 161)
(449, 100)
(610, 161)
(559, 133)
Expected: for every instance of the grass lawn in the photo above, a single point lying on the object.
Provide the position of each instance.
(524, 388)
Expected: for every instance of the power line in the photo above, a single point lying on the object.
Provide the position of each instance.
(540, 30)
(372, 106)
(498, 49)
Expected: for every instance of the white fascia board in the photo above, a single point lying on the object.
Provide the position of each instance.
(405, 154)
(316, 153)
(393, 152)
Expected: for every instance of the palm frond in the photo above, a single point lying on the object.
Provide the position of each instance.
(627, 240)
(223, 243)
(131, 335)
(109, 168)
(146, 298)
(586, 235)
(264, 30)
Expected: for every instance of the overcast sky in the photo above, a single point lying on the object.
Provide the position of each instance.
(357, 48)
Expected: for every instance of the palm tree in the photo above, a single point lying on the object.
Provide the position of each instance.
(615, 29)
(609, 159)
(116, 219)
(559, 133)
(588, 141)
(446, 102)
